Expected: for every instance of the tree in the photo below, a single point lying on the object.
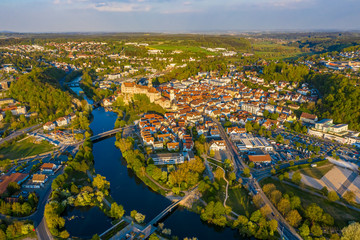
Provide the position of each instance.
(241, 221)
(257, 200)
(325, 191)
(349, 196)
(304, 230)
(2, 235)
(284, 206)
(268, 188)
(8, 116)
(296, 177)
(279, 138)
(334, 236)
(328, 219)
(116, 211)
(218, 174)
(295, 202)
(101, 183)
(215, 213)
(273, 225)
(64, 234)
(293, 218)
(133, 213)
(154, 237)
(275, 196)
(351, 232)
(286, 175)
(273, 171)
(13, 187)
(316, 230)
(251, 164)
(248, 126)
(232, 177)
(256, 216)
(265, 210)
(26, 209)
(246, 172)
(95, 237)
(314, 212)
(333, 196)
(228, 164)
(140, 218)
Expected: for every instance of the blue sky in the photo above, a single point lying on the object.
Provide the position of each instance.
(177, 15)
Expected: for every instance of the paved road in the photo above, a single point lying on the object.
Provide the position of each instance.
(238, 163)
(18, 133)
(285, 230)
(38, 218)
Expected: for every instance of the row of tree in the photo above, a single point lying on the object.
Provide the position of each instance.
(311, 218)
(21, 208)
(15, 229)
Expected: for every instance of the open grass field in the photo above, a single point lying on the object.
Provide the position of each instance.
(24, 149)
(240, 201)
(342, 215)
(317, 172)
(169, 47)
(273, 50)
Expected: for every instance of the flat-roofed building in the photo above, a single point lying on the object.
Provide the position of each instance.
(167, 158)
(260, 158)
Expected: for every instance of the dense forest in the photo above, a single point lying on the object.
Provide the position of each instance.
(192, 68)
(327, 44)
(41, 91)
(340, 99)
(285, 72)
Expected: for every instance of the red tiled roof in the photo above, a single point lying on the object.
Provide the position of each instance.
(15, 177)
(260, 158)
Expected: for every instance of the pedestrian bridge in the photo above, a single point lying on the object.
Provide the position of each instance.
(146, 231)
(108, 133)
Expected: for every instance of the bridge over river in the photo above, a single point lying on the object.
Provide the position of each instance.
(143, 232)
(110, 133)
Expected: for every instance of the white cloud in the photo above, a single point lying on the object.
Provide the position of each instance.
(120, 7)
(289, 3)
(106, 6)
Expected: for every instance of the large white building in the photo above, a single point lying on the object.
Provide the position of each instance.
(167, 158)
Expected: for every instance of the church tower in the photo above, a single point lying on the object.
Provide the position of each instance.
(172, 95)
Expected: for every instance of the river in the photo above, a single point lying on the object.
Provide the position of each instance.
(132, 193)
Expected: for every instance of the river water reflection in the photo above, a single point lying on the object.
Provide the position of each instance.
(132, 193)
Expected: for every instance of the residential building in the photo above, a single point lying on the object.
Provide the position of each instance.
(167, 158)
(217, 145)
(308, 118)
(48, 168)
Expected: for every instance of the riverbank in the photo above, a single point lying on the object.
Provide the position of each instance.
(128, 189)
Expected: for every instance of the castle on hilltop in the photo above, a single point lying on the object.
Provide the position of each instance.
(129, 89)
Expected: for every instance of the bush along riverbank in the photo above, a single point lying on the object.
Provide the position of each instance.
(79, 186)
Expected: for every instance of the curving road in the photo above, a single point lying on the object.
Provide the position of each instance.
(18, 133)
(285, 230)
